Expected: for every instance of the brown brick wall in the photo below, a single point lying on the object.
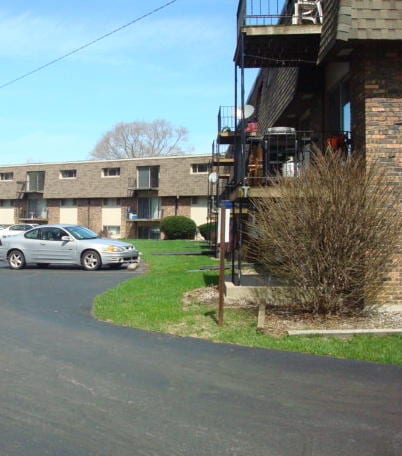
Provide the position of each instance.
(376, 88)
(183, 206)
(94, 215)
(53, 211)
(168, 206)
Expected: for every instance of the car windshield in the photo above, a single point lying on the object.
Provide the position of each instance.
(81, 232)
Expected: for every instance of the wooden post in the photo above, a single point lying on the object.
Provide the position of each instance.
(221, 268)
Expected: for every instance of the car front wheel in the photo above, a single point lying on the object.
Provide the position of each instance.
(16, 259)
(91, 260)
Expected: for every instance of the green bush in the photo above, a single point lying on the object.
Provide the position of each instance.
(208, 230)
(178, 227)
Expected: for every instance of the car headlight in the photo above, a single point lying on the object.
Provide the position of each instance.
(114, 248)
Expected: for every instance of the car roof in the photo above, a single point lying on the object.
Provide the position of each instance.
(57, 225)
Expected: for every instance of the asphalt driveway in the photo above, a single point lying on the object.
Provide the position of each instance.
(70, 385)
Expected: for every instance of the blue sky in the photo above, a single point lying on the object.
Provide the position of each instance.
(176, 65)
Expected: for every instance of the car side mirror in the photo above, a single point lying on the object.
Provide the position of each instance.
(66, 238)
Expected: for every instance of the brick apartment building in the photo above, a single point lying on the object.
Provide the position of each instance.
(125, 198)
(330, 73)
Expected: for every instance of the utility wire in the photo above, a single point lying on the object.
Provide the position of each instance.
(106, 35)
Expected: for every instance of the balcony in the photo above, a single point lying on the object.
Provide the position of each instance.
(33, 215)
(140, 218)
(146, 185)
(230, 124)
(277, 33)
(285, 152)
(147, 209)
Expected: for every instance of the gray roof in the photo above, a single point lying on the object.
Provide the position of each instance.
(349, 20)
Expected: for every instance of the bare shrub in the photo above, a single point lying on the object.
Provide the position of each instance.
(330, 233)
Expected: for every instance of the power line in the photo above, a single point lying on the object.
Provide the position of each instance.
(106, 35)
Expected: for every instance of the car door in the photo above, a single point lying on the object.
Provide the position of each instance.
(52, 248)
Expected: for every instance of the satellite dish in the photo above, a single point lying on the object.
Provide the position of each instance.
(248, 111)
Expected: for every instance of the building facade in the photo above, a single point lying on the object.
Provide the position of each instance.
(330, 76)
(120, 198)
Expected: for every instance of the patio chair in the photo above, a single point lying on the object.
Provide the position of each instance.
(307, 10)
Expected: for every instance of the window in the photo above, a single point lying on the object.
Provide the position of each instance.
(199, 168)
(52, 234)
(148, 176)
(36, 181)
(149, 208)
(111, 230)
(68, 173)
(338, 117)
(198, 200)
(149, 232)
(68, 202)
(111, 202)
(110, 172)
(6, 176)
(7, 203)
(33, 234)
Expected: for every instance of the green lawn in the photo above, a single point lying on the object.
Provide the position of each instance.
(153, 301)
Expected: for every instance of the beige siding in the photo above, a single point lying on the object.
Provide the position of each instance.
(199, 210)
(7, 215)
(68, 215)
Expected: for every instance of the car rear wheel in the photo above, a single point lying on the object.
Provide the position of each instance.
(91, 260)
(16, 259)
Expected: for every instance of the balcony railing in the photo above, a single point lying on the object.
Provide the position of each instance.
(230, 123)
(286, 152)
(33, 215)
(226, 119)
(264, 12)
(276, 12)
(145, 216)
(145, 184)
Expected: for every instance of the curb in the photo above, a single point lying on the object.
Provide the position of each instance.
(342, 332)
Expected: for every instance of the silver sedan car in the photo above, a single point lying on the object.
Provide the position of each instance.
(65, 244)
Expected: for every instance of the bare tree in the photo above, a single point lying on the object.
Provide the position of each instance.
(330, 234)
(141, 139)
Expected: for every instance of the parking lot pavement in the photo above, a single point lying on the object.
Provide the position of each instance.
(70, 385)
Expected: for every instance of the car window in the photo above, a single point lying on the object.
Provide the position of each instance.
(33, 234)
(81, 232)
(52, 234)
(16, 228)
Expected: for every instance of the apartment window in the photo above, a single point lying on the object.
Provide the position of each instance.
(149, 208)
(110, 172)
(111, 230)
(199, 168)
(35, 181)
(68, 202)
(68, 173)
(6, 176)
(338, 117)
(6, 203)
(111, 202)
(148, 176)
(149, 232)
